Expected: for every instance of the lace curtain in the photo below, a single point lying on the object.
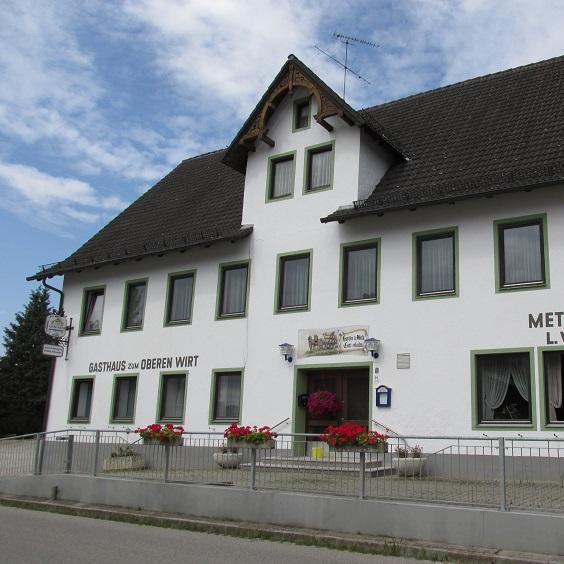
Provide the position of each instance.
(136, 305)
(174, 397)
(283, 176)
(437, 265)
(320, 174)
(553, 366)
(234, 290)
(361, 274)
(181, 301)
(228, 396)
(522, 254)
(94, 309)
(295, 282)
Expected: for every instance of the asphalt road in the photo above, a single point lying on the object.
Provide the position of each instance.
(35, 537)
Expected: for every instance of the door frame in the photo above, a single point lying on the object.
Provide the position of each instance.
(300, 387)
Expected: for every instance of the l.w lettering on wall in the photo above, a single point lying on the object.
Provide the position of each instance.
(155, 363)
(550, 320)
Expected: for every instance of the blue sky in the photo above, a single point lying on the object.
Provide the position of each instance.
(98, 100)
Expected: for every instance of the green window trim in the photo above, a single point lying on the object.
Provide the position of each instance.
(270, 176)
(78, 420)
(84, 304)
(367, 243)
(415, 263)
(320, 147)
(212, 420)
(545, 425)
(503, 426)
(124, 309)
(218, 299)
(168, 303)
(162, 378)
(500, 224)
(278, 286)
(113, 419)
(299, 102)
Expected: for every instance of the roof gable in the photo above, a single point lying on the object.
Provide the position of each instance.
(294, 74)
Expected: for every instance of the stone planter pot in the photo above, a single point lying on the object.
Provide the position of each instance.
(228, 459)
(174, 442)
(134, 462)
(381, 448)
(270, 444)
(410, 466)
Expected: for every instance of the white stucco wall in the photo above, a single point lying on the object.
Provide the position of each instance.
(432, 397)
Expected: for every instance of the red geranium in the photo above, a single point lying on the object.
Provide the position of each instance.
(352, 435)
(323, 402)
(163, 433)
(247, 434)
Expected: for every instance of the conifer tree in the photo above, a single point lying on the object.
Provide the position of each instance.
(24, 371)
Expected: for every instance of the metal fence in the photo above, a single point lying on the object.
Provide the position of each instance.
(503, 473)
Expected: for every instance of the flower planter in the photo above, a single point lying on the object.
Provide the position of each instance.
(134, 462)
(172, 442)
(411, 466)
(228, 459)
(269, 444)
(380, 448)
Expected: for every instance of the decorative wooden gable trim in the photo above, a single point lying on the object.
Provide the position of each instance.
(292, 78)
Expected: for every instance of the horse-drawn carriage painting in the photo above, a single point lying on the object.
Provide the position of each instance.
(335, 340)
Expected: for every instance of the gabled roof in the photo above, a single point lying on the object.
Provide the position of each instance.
(199, 203)
(497, 133)
(293, 74)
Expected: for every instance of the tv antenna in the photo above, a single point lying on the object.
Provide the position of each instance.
(347, 40)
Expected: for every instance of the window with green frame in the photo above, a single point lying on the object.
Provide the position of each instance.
(179, 299)
(125, 391)
(227, 395)
(522, 261)
(135, 294)
(81, 400)
(281, 176)
(435, 263)
(301, 114)
(553, 384)
(359, 282)
(233, 283)
(503, 388)
(293, 282)
(319, 167)
(172, 396)
(92, 311)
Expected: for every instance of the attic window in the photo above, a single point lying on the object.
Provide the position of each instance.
(301, 114)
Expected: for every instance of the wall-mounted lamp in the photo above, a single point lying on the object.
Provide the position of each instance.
(287, 350)
(372, 345)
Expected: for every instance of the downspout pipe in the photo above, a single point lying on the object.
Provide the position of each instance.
(60, 292)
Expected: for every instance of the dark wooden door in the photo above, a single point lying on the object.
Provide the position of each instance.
(352, 388)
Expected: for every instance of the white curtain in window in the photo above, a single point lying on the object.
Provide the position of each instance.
(361, 274)
(496, 373)
(228, 396)
(553, 366)
(522, 254)
(125, 397)
(234, 290)
(94, 311)
(84, 400)
(136, 306)
(181, 301)
(295, 282)
(283, 173)
(174, 398)
(320, 174)
(437, 265)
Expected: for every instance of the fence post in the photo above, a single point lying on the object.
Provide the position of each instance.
(502, 482)
(37, 455)
(96, 456)
(362, 481)
(68, 461)
(167, 462)
(253, 468)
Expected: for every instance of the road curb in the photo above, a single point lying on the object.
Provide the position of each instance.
(340, 541)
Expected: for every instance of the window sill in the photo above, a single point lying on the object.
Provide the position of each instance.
(121, 421)
(523, 287)
(177, 323)
(292, 309)
(223, 421)
(506, 426)
(231, 316)
(316, 190)
(131, 329)
(367, 301)
(436, 295)
(90, 334)
(78, 421)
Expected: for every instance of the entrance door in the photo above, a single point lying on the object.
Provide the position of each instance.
(352, 388)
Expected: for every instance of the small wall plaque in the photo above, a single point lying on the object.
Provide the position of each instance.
(403, 360)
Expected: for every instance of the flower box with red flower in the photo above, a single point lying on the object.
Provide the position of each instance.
(323, 402)
(355, 438)
(157, 434)
(250, 437)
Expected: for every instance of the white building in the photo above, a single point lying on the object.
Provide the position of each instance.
(441, 235)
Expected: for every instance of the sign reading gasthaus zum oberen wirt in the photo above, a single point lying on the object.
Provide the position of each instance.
(334, 340)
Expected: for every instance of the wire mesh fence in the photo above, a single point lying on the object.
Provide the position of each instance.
(504, 473)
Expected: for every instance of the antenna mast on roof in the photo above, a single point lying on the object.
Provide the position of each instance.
(347, 40)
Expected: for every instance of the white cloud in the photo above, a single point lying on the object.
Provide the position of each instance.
(55, 200)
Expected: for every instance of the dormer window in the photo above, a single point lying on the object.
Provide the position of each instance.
(319, 167)
(281, 172)
(301, 114)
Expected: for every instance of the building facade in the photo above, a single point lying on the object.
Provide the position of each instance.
(434, 224)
